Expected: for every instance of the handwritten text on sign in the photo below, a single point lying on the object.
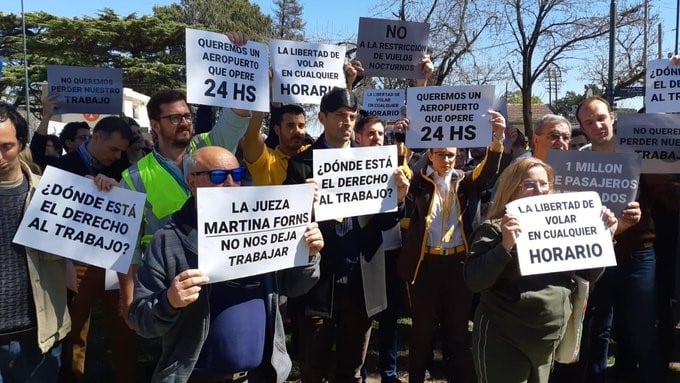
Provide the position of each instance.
(220, 73)
(561, 232)
(86, 90)
(392, 48)
(449, 116)
(662, 92)
(387, 104)
(355, 181)
(304, 72)
(614, 176)
(69, 217)
(252, 230)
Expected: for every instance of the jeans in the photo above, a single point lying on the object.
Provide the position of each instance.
(22, 361)
(630, 291)
(387, 331)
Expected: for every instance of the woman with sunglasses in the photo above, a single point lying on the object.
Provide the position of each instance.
(520, 319)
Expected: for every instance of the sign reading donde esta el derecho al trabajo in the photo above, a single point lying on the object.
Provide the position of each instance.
(561, 232)
(69, 217)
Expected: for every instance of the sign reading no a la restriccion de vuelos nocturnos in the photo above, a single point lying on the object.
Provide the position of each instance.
(69, 217)
(86, 90)
(561, 232)
(392, 48)
(252, 230)
(220, 73)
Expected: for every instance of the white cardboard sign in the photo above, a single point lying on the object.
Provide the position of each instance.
(304, 72)
(252, 230)
(69, 217)
(355, 181)
(561, 232)
(662, 92)
(220, 73)
(449, 116)
(655, 137)
(386, 104)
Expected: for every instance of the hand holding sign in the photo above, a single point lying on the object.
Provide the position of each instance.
(427, 67)
(630, 216)
(313, 238)
(185, 288)
(510, 229)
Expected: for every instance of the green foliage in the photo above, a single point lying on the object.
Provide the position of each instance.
(288, 23)
(516, 98)
(149, 49)
(220, 16)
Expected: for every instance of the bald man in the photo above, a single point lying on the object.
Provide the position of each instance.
(228, 331)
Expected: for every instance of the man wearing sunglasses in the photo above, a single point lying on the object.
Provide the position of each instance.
(224, 332)
(161, 174)
(550, 132)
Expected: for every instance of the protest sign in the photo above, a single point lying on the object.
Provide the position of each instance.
(252, 229)
(655, 137)
(614, 176)
(392, 48)
(386, 104)
(561, 232)
(220, 73)
(662, 91)
(69, 217)
(86, 90)
(355, 181)
(304, 72)
(449, 116)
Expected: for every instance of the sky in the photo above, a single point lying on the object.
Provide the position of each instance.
(334, 19)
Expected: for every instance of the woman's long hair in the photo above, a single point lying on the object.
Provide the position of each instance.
(511, 179)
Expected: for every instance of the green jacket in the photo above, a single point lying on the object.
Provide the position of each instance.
(525, 308)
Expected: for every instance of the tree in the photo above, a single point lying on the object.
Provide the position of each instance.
(629, 65)
(551, 30)
(288, 23)
(566, 106)
(220, 16)
(516, 98)
(150, 50)
(455, 28)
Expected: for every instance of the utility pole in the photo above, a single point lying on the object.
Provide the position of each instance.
(612, 49)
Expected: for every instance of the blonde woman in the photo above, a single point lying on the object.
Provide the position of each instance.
(519, 320)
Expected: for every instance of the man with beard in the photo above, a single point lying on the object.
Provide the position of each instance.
(268, 166)
(161, 174)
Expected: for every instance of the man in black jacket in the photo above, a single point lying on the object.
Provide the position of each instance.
(98, 157)
(351, 289)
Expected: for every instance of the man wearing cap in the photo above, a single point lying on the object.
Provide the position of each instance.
(351, 288)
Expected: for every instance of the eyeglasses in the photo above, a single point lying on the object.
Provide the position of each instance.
(532, 186)
(218, 176)
(556, 136)
(444, 155)
(175, 119)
